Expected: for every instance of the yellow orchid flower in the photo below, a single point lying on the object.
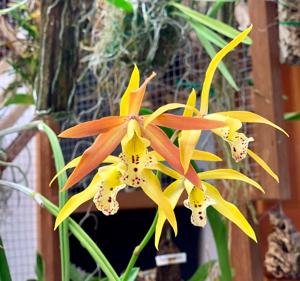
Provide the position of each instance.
(198, 199)
(132, 168)
(233, 119)
(112, 129)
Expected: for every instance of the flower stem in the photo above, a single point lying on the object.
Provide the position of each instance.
(138, 249)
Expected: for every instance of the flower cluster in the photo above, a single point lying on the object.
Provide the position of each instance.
(146, 148)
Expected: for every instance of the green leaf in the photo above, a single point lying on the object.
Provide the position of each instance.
(220, 232)
(12, 8)
(210, 22)
(203, 271)
(215, 8)
(20, 99)
(62, 198)
(209, 48)
(133, 274)
(4, 268)
(40, 268)
(292, 116)
(208, 34)
(122, 4)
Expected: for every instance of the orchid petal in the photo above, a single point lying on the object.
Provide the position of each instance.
(191, 103)
(173, 193)
(95, 154)
(170, 106)
(188, 139)
(232, 124)
(205, 156)
(229, 210)
(198, 202)
(94, 127)
(153, 190)
(228, 174)
(107, 189)
(196, 155)
(250, 117)
(73, 163)
(133, 85)
(186, 123)
(166, 170)
(76, 200)
(161, 143)
(263, 164)
(213, 66)
(156, 155)
(136, 97)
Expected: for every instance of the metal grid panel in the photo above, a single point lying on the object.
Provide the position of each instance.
(18, 212)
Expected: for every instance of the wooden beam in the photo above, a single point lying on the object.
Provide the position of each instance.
(267, 97)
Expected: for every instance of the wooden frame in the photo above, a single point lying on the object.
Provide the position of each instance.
(267, 97)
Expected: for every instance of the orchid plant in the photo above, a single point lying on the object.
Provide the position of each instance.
(146, 149)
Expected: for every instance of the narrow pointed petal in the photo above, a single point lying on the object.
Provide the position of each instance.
(188, 139)
(76, 200)
(136, 97)
(153, 190)
(196, 155)
(95, 154)
(170, 106)
(213, 66)
(73, 163)
(263, 164)
(187, 142)
(133, 85)
(229, 210)
(162, 145)
(92, 128)
(191, 103)
(250, 117)
(186, 123)
(205, 156)
(173, 193)
(166, 170)
(228, 174)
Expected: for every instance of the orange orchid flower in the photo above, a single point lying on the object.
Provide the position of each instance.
(112, 129)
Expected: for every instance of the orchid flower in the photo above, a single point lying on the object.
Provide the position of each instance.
(237, 141)
(132, 168)
(200, 199)
(112, 129)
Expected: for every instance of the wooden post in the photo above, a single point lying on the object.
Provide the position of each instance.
(267, 97)
(271, 145)
(48, 242)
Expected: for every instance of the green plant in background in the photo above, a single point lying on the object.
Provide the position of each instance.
(150, 35)
(292, 116)
(4, 268)
(23, 43)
